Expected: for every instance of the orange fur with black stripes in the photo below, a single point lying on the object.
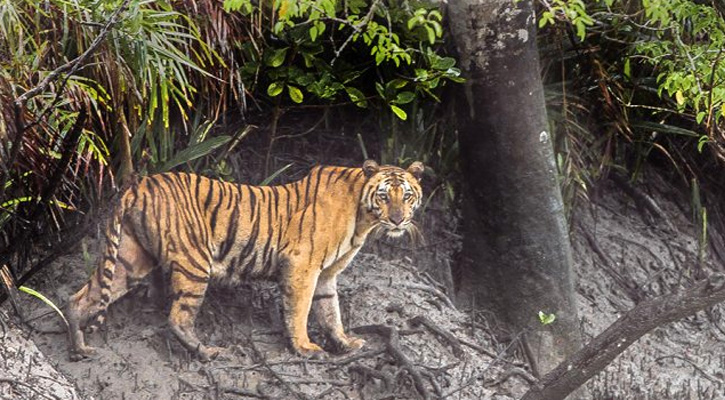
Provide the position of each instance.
(199, 230)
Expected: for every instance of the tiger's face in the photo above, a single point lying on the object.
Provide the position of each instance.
(392, 195)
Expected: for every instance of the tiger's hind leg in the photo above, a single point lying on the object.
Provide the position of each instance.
(132, 263)
(189, 281)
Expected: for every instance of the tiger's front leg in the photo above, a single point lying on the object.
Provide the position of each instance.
(298, 286)
(326, 307)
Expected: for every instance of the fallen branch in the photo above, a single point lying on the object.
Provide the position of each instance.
(430, 289)
(387, 379)
(241, 392)
(392, 344)
(440, 332)
(644, 317)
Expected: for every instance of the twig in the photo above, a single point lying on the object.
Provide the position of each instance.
(440, 332)
(394, 349)
(242, 392)
(643, 201)
(75, 63)
(510, 373)
(263, 360)
(21, 383)
(431, 290)
(356, 28)
(367, 371)
(695, 366)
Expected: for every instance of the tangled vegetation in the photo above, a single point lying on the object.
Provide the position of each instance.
(164, 76)
(654, 72)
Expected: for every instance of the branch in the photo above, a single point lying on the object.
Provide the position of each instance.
(75, 63)
(392, 345)
(644, 317)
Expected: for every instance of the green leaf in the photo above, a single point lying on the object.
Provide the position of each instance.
(399, 112)
(276, 57)
(627, 69)
(313, 33)
(700, 116)
(357, 97)
(431, 34)
(404, 98)
(275, 88)
(545, 318)
(295, 94)
(396, 84)
(276, 173)
(444, 63)
(702, 142)
(195, 151)
(379, 88)
(45, 300)
(680, 97)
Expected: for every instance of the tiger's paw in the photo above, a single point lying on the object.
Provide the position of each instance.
(347, 344)
(309, 350)
(208, 353)
(82, 352)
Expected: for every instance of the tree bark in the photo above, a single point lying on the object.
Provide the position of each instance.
(517, 256)
(644, 317)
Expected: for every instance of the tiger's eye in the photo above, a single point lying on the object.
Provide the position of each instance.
(407, 196)
(383, 197)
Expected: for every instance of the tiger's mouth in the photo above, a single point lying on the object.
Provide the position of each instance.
(396, 232)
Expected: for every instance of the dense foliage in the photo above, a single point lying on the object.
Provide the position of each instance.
(653, 70)
(166, 74)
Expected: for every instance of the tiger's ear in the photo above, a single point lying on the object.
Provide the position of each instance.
(370, 167)
(416, 169)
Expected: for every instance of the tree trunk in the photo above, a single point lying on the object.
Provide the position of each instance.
(517, 256)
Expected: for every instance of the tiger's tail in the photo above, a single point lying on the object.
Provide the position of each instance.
(105, 272)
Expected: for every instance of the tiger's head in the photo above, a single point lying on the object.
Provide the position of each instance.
(392, 195)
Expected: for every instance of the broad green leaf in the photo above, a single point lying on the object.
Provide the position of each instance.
(444, 63)
(431, 34)
(399, 112)
(680, 97)
(275, 88)
(295, 94)
(700, 116)
(357, 97)
(404, 97)
(313, 33)
(277, 57)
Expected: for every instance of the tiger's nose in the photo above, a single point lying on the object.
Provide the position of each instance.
(396, 217)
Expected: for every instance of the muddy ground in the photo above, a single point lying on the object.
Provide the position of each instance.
(623, 253)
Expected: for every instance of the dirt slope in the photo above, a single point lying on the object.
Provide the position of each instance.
(138, 360)
(625, 253)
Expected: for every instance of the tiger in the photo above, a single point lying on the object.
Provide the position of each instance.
(200, 231)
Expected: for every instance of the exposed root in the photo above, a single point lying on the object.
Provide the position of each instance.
(392, 345)
(441, 333)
